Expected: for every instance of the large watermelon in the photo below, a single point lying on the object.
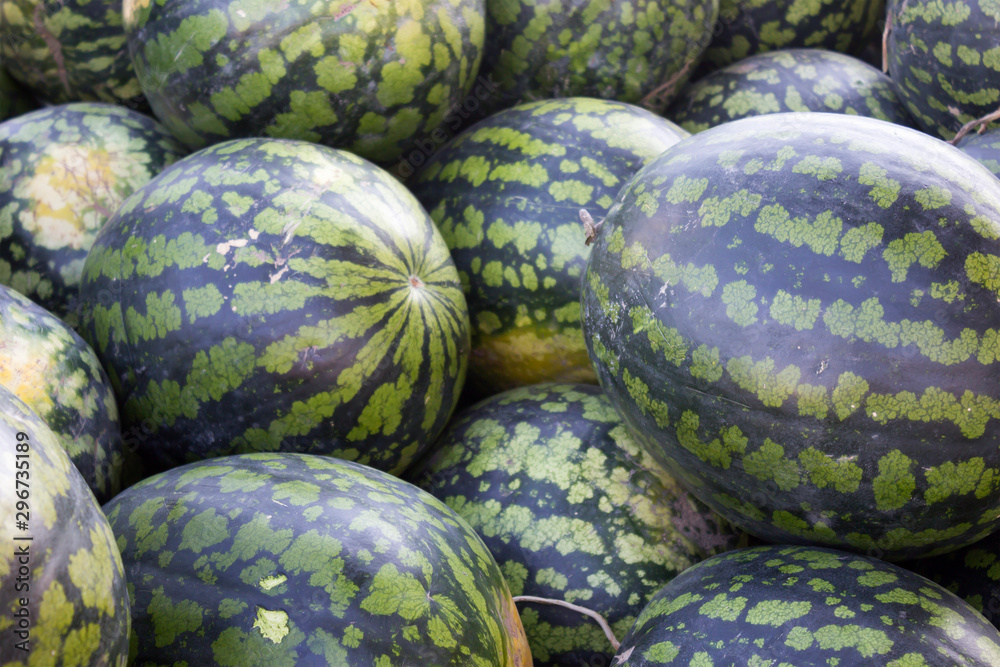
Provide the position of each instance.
(368, 76)
(291, 559)
(267, 294)
(798, 314)
(637, 51)
(571, 509)
(506, 195)
(63, 172)
(64, 598)
(69, 50)
(779, 605)
(49, 367)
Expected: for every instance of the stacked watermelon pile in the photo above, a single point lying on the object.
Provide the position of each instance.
(488, 332)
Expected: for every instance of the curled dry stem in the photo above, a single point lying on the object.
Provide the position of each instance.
(978, 124)
(583, 610)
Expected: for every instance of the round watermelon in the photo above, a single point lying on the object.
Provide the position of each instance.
(636, 51)
(369, 76)
(797, 314)
(265, 295)
(571, 509)
(291, 559)
(63, 171)
(69, 50)
(792, 605)
(985, 147)
(49, 367)
(64, 597)
(506, 195)
(788, 80)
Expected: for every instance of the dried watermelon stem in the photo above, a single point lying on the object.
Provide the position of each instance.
(978, 124)
(583, 610)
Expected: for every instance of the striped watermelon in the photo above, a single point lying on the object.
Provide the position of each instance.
(265, 295)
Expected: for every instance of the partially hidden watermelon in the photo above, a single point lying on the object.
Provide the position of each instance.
(797, 314)
(290, 559)
(264, 295)
(985, 147)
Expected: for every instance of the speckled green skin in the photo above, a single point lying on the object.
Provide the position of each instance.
(69, 50)
(265, 295)
(63, 172)
(806, 606)
(364, 75)
(984, 147)
(14, 98)
(506, 195)
(292, 559)
(638, 51)
(972, 573)
(571, 508)
(797, 313)
(788, 80)
(749, 27)
(945, 60)
(49, 367)
(74, 588)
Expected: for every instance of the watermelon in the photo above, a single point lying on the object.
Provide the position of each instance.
(788, 80)
(368, 76)
(794, 605)
(985, 147)
(14, 99)
(48, 366)
(749, 27)
(294, 559)
(636, 51)
(69, 51)
(64, 597)
(797, 314)
(945, 60)
(63, 172)
(266, 294)
(506, 195)
(571, 509)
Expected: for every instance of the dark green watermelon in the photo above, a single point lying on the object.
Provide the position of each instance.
(289, 559)
(945, 60)
(49, 367)
(984, 147)
(571, 509)
(368, 75)
(749, 27)
(798, 315)
(14, 98)
(636, 51)
(64, 597)
(780, 605)
(267, 294)
(63, 171)
(506, 195)
(788, 80)
(69, 50)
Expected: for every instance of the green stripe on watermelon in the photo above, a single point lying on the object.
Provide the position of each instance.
(291, 559)
(265, 295)
(506, 196)
(365, 75)
(572, 509)
(798, 314)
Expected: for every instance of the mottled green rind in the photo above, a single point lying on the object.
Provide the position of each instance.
(76, 598)
(49, 367)
(806, 606)
(972, 573)
(69, 51)
(14, 98)
(749, 27)
(797, 314)
(636, 51)
(788, 80)
(265, 295)
(571, 508)
(63, 171)
(945, 60)
(506, 195)
(290, 559)
(984, 147)
(368, 76)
